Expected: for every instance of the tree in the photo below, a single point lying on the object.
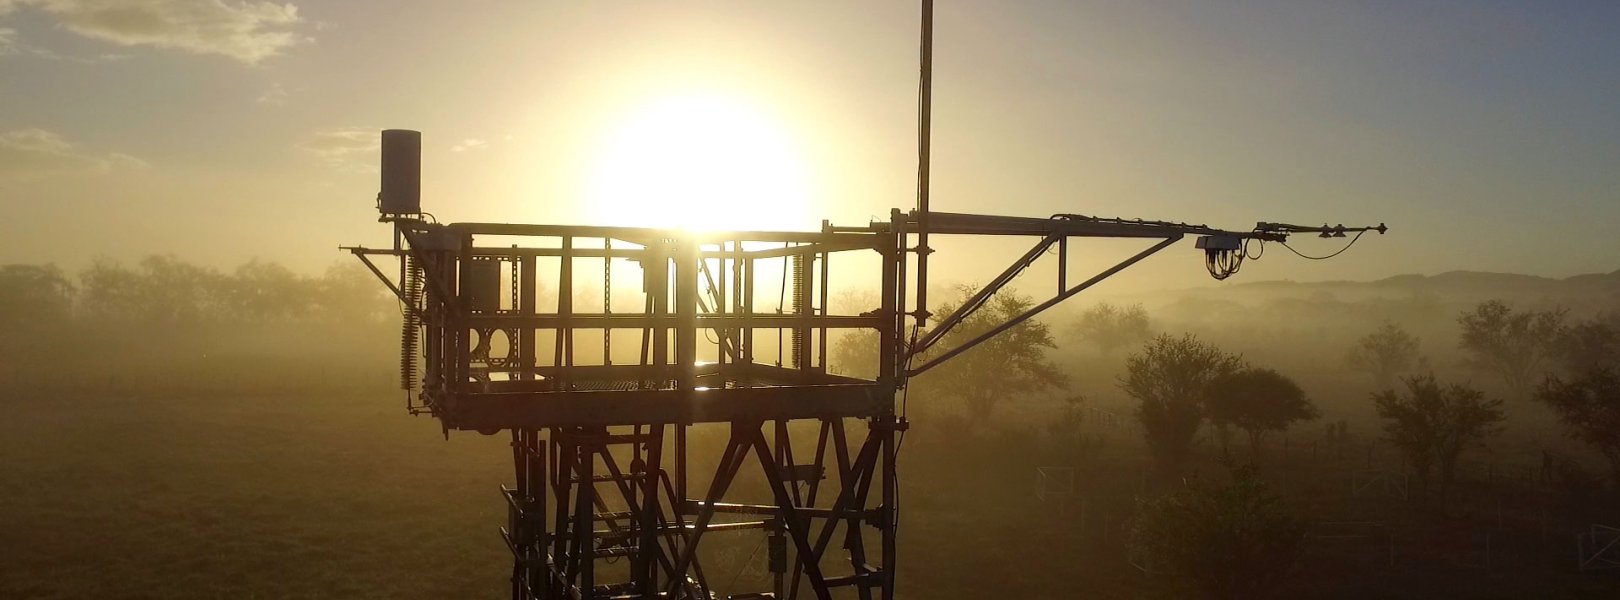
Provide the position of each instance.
(110, 290)
(348, 294)
(1257, 401)
(1511, 344)
(268, 292)
(35, 303)
(1589, 406)
(178, 291)
(1169, 378)
(163, 291)
(32, 295)
(1010, 363)
(1588, 345)
(1232, 540)
(855, 352)
(1110, 327)
(1432, 424)
(1385, 354)
(1067, 430)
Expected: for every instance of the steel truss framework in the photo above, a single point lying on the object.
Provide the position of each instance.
(585, 473)
(613, 496)
(602, 447)
(607, 460)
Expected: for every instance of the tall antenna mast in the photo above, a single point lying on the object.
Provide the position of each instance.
(924, 142)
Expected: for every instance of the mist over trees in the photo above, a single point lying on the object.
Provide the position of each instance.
(1586, 396)
(1511, 344)
(1385, 354)
(1057, 393)
(34, 301)
(31, 295)
(1109, 327)
(168, 319)
(165, 290)
(1589, 407)
(1588, 345)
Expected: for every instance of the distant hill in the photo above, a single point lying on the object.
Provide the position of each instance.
(1595, 291)
(1460, 282)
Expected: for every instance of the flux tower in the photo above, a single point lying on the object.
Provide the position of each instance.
(686, 395)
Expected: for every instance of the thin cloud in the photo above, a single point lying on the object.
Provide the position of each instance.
(275, 95)
(469, 144)
(245, 31)
(12, 44)
(350, 147)
(27, 154)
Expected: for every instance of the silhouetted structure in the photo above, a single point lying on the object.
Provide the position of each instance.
(605, 463)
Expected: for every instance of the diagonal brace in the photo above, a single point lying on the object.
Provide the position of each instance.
(1037, 309)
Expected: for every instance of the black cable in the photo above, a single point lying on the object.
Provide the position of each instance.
(1258, 243)
(781, 296)
(1222, 264)
(1341, 250)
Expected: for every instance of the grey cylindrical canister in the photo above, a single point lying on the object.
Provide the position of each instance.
(401, 172)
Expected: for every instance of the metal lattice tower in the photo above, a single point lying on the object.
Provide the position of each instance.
(615, 493)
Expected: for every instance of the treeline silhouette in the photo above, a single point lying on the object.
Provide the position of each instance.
(167, 323)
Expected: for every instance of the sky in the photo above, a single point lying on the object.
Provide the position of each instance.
(1484, 133)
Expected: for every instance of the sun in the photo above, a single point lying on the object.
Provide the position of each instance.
(699, 161)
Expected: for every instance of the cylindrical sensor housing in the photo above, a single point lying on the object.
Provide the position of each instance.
(401, 172)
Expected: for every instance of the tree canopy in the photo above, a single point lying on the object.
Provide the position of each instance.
(1511, 344)
(1010, 363)
(1588, 345)
(1257, 401)
(30, 294)
(1589, 406)
(1586, 395)
(1432, 424)
(1169, 378)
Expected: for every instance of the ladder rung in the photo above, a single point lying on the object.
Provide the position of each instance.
(610, 477)
(599, 439)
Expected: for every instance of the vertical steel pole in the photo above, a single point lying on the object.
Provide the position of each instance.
(584, 517)
(890, 510)
(516, 522)
(924, 144)
(565, 306)
(538, 489)
(560, 564)
(686, 297)
(652, 511)
(889, 371)
(526, 307)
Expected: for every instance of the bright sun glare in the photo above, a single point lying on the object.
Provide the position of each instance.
(699, 161)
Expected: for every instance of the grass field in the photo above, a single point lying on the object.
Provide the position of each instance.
(329, 496)
(336, 493)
